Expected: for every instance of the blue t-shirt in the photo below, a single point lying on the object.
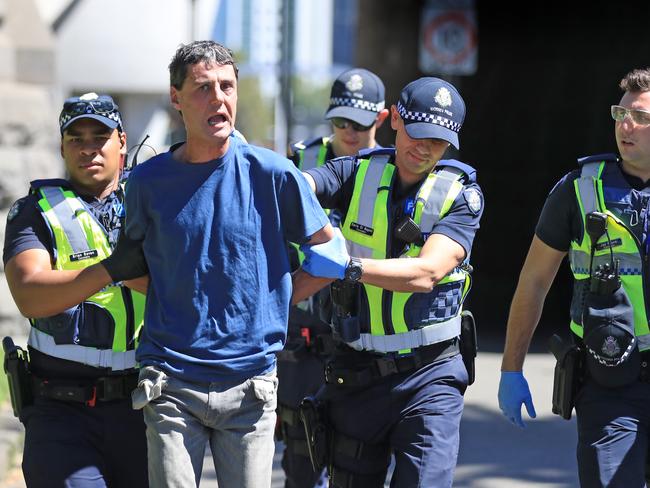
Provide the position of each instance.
(214, 238)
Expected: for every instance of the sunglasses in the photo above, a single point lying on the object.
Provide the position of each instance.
(640, 117)
(100, 107)
(341, 123)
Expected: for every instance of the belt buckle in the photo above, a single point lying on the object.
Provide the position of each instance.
(109, 388)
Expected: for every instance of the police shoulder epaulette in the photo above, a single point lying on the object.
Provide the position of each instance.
(36, 184)
(375, 151)
(469, 171)
(598, 158)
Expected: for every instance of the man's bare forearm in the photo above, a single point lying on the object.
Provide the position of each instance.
(305, 285)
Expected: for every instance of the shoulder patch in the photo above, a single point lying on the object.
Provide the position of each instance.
(473, 199)
(16, 208)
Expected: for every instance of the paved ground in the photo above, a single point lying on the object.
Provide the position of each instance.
(493, 453)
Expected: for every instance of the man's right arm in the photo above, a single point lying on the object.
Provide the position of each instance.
(535, 279)
(537, 275)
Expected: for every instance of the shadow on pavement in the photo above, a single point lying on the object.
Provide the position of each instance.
(494, 453)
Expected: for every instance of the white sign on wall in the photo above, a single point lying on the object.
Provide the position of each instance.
(448, 37)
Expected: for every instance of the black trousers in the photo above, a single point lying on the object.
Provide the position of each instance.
(71, 445)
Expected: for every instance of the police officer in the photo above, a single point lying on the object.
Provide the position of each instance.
(356, 110)
(395, 384)
(81, 430)
(598, 214)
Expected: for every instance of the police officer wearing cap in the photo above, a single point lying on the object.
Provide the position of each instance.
(598, 215)
(396, 381)
(356, 110)
(80, 430)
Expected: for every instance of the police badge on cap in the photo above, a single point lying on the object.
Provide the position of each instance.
(432, 108)
(356, 95)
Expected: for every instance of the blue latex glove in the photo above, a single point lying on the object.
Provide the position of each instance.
(513, 391)
(327, 260)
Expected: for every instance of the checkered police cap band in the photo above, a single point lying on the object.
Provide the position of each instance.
(356, 103)
(113, 116)
(102, 108)
(429, 118)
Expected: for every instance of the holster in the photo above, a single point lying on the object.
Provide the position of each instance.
(314, 420)
(344, 318)
(16, 366)
(468, 343)
(568, 375)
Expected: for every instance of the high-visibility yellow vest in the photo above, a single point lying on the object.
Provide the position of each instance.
(79, 241)
(618, 243)
(311, 154)
(399, 321)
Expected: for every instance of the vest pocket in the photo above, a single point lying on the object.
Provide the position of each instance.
(96, 326)
(61, 326)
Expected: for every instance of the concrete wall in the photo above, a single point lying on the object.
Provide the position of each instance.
(29, 135)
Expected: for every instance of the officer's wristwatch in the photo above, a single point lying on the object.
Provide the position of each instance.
(354, 270)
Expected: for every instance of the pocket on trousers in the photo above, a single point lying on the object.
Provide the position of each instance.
(265, 387)
(151, 383)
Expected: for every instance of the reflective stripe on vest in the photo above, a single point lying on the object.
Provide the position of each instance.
(313, 156)
(430, 334)
(99, 358)
(80, 241)
(366, 231)
(590, 197)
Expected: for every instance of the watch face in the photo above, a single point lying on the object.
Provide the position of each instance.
(354, 271)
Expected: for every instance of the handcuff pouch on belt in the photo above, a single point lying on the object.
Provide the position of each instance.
(313, 416)
(16, 366)
(344, 300)
(468, 344)
(568, 374)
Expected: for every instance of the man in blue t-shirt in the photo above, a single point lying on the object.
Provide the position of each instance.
(213, 215)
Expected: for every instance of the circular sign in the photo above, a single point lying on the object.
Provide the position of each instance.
(450, 38)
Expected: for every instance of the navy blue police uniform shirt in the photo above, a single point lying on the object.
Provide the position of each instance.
(560, 221)
(335, 186)
(26, 229)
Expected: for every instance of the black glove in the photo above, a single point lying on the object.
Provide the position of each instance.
(127, 260)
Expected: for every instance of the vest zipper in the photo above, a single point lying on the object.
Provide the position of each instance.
(130, 317)
(387, 296)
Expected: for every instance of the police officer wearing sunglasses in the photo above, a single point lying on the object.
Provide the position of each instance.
(598, 215)
(395, 382)
(80, 428)
(356, 111)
